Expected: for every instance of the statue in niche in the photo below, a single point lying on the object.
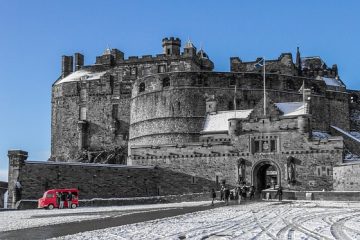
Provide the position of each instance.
(291, 170)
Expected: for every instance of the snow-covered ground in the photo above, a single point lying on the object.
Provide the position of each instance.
(255, 220)
(260, 220)
(14, 220)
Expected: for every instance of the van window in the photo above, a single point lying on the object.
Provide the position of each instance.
(49, 195)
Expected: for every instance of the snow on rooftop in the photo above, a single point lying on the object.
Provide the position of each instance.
(219, 121)
(81, 75)
(320, 135)
(332, 82)
(291, 108)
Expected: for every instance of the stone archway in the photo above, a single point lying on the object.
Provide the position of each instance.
(265, 174)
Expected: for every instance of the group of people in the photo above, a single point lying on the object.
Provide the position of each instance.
(239, 193)
(62, 197)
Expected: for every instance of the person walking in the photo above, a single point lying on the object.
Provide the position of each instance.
(279, 193)
(222, 193)
(227, 195)
(252, 192)
(213, 196)
(239, 194)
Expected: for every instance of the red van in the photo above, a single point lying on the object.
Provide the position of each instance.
(50, 199)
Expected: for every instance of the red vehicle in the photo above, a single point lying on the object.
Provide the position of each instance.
(51, 198)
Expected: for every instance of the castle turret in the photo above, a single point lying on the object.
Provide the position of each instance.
(189, 49)
(171, 46)
(235, 126)
(66, 65)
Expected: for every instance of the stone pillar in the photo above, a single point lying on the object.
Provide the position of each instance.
(16, 162)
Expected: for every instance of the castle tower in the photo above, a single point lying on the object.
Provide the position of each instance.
(189, 49)
(171, 46)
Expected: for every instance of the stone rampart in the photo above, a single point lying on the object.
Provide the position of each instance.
(104, 180)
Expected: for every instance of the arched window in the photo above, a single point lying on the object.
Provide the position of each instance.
(166, 82)
(142, 87)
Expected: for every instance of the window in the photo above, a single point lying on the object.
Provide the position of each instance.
(168, 51)
(49, 195)
(133, 71)
(192, 180)
(166, 82)
(290, 85)
(115, 111)
(264, 145)
(217, 180)
(142, 87)
(272, 145)
(161, 68)
(232, 81)
(230, 105)
(83, 112)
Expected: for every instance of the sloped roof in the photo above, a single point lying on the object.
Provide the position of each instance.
(291, 108)
(81, 75)
(332, 82)
(219, 122)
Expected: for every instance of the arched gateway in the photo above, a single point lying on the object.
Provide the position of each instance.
(265, 174)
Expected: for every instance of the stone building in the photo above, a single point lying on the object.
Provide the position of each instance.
(175, 112)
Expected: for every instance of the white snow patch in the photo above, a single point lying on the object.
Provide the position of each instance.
(81, 75)
(291, 108)
(320, 135)
(332, 82)
(219, 121)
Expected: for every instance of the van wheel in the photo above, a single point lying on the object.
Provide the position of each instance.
(51, 207)
(73, 205)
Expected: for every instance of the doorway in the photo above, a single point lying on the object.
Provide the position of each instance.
(266, 175)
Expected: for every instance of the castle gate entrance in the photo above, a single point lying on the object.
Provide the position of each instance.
(265, 174)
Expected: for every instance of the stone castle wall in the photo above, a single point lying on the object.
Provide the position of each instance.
(180, 108)
(103, 181)
(346, 177)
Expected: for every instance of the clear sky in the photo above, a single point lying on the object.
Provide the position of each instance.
(34, 34)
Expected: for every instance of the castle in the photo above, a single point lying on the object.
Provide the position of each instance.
(174, 112)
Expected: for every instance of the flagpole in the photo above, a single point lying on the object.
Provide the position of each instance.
(264, 90)
(235, 99)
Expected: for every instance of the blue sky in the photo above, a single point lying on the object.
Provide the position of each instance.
(34, 34)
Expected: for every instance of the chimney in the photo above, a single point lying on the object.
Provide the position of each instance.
(66, 66)
(79, 61)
